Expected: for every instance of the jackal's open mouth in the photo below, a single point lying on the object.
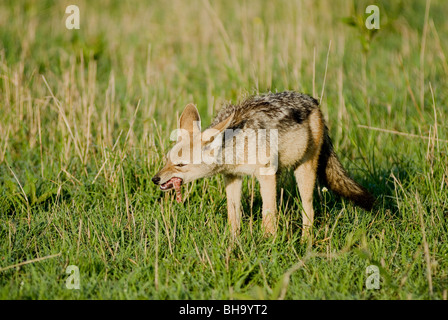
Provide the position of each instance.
(173, 183)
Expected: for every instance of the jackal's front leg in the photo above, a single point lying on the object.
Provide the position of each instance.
(268, 184)
(233, 192)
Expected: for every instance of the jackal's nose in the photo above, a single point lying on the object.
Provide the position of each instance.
(156, 180)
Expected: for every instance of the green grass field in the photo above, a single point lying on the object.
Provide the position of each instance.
(85, 120)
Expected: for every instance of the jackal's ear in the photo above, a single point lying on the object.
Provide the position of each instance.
(224, 124)
(216, 129)
(190, 119)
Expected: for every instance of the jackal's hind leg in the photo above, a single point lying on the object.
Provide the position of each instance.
(306, 179)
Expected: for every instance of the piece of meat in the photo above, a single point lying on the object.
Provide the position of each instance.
(176, 184)
(173, 183)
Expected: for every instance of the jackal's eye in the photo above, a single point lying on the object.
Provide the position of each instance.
(181, 165)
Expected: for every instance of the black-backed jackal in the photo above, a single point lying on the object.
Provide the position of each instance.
(258, 137)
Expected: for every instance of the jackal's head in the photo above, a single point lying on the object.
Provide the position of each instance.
(187, 160)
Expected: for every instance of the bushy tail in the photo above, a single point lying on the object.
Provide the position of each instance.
(334, 176)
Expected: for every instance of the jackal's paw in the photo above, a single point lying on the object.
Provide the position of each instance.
(307, 237)
(269, 231)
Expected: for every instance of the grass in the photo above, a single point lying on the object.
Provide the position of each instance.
(85, 118)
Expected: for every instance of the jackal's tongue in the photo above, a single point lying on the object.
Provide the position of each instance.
(173, 183)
